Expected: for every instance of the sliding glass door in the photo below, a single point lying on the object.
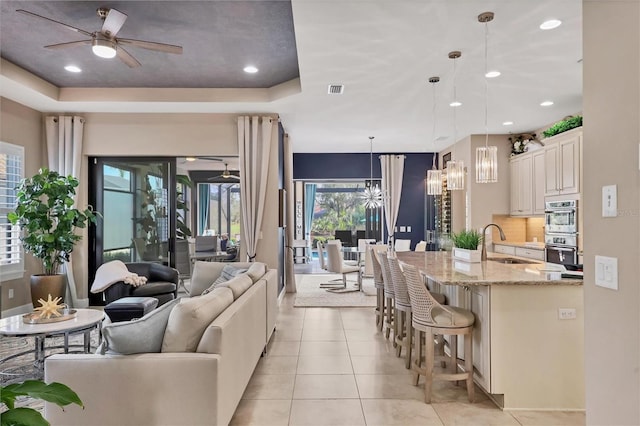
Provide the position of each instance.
(137, 200)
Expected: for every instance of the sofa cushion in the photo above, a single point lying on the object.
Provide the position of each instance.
(256, 271)
(143, 335)
(238, 285)
(190, 317)
(228, 272)
(203, 276)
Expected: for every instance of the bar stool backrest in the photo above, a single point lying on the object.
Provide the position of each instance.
(386, 275)
(400, 289)
(378, 281)
(422, 303)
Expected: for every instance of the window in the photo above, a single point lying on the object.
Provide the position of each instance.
(11, 172)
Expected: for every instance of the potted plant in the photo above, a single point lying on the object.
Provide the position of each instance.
(564, 125)
(53, 392)
(466, 244)
(48, 219)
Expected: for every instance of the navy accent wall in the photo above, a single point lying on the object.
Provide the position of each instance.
(414, 203)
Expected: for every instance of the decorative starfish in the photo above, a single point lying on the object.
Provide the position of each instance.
(50, 307)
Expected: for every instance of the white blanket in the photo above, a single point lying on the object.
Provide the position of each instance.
(112, 272)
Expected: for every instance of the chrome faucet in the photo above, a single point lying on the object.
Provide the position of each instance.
(483, 255)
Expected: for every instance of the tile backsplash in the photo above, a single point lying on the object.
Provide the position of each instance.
(518, 229)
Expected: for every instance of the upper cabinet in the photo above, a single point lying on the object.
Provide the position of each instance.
(562, 163)
(527, 183)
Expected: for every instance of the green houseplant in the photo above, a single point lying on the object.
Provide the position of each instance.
(466, 244)
(53, 392)
(46, 214)
(563, 126)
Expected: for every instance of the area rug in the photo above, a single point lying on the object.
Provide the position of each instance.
(310, 295)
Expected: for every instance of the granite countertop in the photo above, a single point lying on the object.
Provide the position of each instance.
(529, 245)
(442, 268)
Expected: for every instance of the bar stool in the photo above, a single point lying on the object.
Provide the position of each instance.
(403, 310)
(389, 295)
(378, 282)
(431, 318)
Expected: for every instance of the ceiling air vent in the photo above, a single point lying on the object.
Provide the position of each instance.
(336, 89)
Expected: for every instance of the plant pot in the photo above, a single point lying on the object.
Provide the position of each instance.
(44, 285)
(471, 256)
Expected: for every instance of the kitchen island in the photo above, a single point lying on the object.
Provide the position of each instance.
(525, 356)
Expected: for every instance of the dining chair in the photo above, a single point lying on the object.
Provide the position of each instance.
(336, 264)
(402, 245)
(421, 246)
(430, 318)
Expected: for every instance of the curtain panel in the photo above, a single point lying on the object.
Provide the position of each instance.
(290, 276)
(204, 198)
(392, 174)
(254, 145)
(64, 136)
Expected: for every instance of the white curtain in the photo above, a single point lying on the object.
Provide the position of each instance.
(254, 143)
(392, 172)
(290, 276)
(64, 149)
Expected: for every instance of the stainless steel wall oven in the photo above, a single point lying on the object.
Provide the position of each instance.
(561, 232)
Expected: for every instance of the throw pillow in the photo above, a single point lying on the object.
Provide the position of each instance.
(256, 271)
(109, 273)
(228, 272)
(190, 318)
(143, 335)
(203, 275)
(238, 285)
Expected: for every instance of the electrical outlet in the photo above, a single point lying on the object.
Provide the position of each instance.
(567, 313)
(10, 293)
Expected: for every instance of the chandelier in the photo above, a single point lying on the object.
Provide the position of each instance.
(486, 156)
(372, 195)
(455, 168)
(434, 176)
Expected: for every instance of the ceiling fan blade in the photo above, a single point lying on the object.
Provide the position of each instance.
(210, 158)
(127, 58)
(113, 22)
(68, 44)
(151, 45)
(67, 26)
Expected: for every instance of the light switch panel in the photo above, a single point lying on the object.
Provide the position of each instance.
(607, 272)
(610, 201)
(408, 229)
(403, 229)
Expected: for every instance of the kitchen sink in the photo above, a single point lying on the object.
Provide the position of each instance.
(511, 260)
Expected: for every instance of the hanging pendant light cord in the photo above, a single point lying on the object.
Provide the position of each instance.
(486, 86)
(371, 162)
(433, 128)
(455, 98)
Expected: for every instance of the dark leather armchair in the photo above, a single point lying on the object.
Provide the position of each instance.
(162, 283)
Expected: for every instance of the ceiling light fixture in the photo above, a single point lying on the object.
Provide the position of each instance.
(103, 48)
(190, 159)
(434, 176)
(455, 104)
(550, 24)
(492, 74)
(507, 123)
(372, 195)
(455, 168)
(486, 156)
(73, 68)
(250, 69)
(546, 103)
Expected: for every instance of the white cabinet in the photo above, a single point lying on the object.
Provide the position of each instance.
(530, 253)
(499, 248)
(562, 163)
(527, 184)
(521, 185)
(479, 305)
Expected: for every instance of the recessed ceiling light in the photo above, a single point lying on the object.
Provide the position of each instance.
(507, 123)
(546, 103)
(250, 69)
(190, 158)
(492, 74)
(72, 68)
(550, 24)
(455, 104)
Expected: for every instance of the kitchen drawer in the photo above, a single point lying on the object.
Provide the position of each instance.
(530, 253)
(498, 248)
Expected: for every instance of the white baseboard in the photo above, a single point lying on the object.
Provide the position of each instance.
(18, 310)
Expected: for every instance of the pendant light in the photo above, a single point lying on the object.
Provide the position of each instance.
(372, 196)
(455, 168)
(486, 156)
(434, 176)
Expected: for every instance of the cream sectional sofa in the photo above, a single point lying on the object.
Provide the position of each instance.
(198, 378)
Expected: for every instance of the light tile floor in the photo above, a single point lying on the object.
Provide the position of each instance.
(330, 366)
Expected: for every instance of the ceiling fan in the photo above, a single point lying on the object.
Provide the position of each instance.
(226, 174)
(104, 42)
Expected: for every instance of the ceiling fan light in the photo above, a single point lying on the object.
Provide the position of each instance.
(103, 48)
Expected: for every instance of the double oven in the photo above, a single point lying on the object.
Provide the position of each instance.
(561, 232)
